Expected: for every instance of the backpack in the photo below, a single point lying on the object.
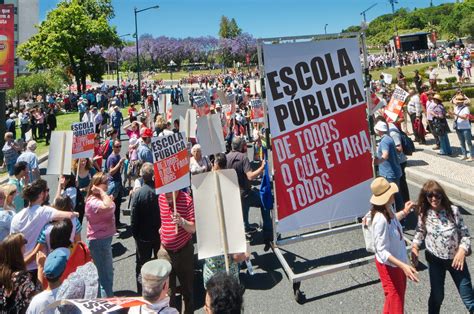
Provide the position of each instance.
(408, 146)
(106, 149)
(80, 202)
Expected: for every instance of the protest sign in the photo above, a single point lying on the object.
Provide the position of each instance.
(59, 159)
(388, 78)
(83, 134)
(257, 110)
(216, 198)
(321, 144)
(394, 109)
(188, 124)
(202, 106)
(169, 113)
(100, 305)
(171, 162)
(210, 135)
(258, 87)
(253, 89)
(163, 100)
(375, 104)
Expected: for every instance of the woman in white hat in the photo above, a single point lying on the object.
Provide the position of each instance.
(390, 253)
(462, 126)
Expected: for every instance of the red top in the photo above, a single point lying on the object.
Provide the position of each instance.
(185, 207)
(424, 99)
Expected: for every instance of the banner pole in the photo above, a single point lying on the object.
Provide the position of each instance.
(220, 213)
(77, 171)
(174, 210)
(63, 143)
(368, 98)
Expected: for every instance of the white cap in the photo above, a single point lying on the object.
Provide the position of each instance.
(381, 127)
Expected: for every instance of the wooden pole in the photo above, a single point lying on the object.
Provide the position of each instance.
(174, 209)
(63, 143)
(220, 213)
(77, 171)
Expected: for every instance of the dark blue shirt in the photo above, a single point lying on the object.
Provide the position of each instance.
(112, 161)
(390, 168)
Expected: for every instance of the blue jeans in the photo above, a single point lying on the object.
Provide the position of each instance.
(10, 169)
(101, 252)
(445, 147)
(465, 139)
(251, 198)
(462, 280)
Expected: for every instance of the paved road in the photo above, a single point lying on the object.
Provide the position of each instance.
(356, 290)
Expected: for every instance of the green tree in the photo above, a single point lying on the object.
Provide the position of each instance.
(234, 29)
(71, 36)
(224, 27)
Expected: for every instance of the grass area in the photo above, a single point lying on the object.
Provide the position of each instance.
(64, 121)
(408, 70)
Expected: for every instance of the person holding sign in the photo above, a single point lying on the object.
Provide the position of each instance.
(177, 247)
(237, 159)
(390, 254)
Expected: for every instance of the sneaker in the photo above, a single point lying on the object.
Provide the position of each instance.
(251, 229)
(436, 147)
(462, 157)
(469, 159)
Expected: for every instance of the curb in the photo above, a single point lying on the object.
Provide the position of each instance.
(453, 189)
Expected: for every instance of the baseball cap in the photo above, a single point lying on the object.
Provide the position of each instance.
(147, 133)
(154, 273)
(56, 263)
(381, 126)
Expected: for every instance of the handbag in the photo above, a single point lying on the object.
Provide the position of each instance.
(368, 236)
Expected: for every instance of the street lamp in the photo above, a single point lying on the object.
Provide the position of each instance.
(117, 57)
(135, 10)
(363, 12)
(170, 66)
(325, 26)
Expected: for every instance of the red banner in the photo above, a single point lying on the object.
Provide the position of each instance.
(315, 161)
(7, 47)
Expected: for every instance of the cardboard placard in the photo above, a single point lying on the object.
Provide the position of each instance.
(210, 135)
(188, 124)
(257, 114)
(394, 109)
(83, 134)
(60, 154)
(206, 210)
(320, 139)
(202, 106)
(101, 305)
(171, 162)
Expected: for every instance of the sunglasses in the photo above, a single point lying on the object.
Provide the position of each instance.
(430, 195)
(117, 146)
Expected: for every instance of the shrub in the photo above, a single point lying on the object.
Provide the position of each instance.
(451, 79)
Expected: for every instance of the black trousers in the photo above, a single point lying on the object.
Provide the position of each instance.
(145, 251)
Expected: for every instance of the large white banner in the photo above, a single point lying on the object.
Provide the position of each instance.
(321, 145)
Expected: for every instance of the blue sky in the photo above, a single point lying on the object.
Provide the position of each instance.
(261, 18)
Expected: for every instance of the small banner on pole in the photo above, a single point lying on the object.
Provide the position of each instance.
(202, 106)
(7, 46)
(394, 109)
(83, 134)
(257, 114)
(171, 162)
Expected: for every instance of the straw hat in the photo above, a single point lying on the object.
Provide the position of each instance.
(460, 99)
(382, 190)
(438, 97)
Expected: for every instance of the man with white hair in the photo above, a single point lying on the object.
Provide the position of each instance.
(29, 156)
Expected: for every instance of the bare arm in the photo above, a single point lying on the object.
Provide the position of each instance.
(252, 175)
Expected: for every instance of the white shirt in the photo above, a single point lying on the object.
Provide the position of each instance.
(30, 221)
(388, 240)
(40, 301)
(463, 124)
(433, 75)
(414, 105)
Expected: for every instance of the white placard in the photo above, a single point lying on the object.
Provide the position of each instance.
(188, 124)
(210, 135)
(60, 153)
(208, 230)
